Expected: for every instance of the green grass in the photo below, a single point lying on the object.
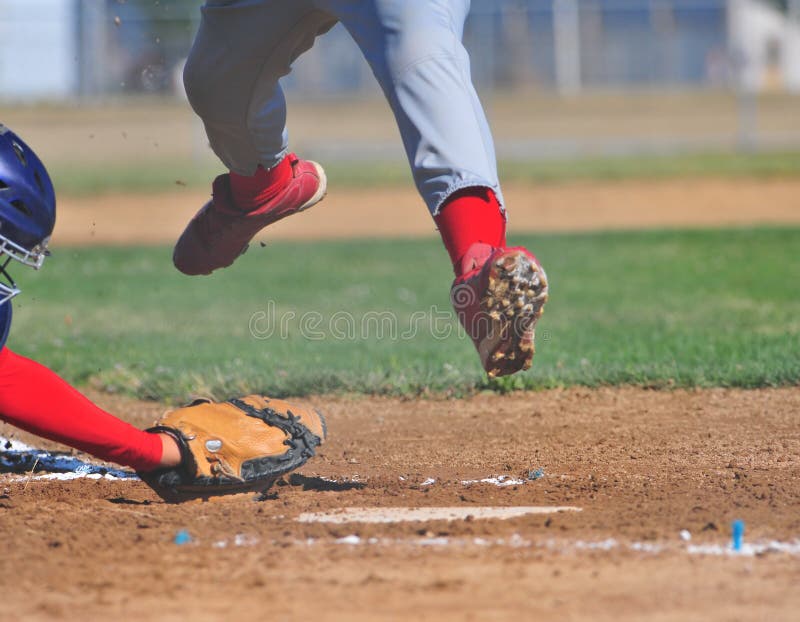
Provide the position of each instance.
(158, 176)
(661, 309)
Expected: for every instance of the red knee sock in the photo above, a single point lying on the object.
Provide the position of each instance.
(249, 193)
(468, 216)
(37, 400)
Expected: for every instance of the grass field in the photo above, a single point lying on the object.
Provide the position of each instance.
(155, 175)
(703, 308)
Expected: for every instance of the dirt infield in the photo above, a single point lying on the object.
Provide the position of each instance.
(393, 212)
(658, 475)
(642, 465)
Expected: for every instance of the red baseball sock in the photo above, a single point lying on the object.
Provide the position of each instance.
(468, 216)
(37, 400)
(249, 193)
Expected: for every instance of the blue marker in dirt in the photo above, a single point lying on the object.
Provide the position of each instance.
(737, 534)
(183, 537)
(537, 474)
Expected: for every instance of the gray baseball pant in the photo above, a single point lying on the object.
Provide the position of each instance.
(413, 47)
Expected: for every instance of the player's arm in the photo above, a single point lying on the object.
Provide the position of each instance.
(34, 398)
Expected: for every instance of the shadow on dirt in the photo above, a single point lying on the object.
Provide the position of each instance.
(321, 484)
(126, 501)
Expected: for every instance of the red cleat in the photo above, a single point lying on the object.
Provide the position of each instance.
(498, 299)
(219, 233)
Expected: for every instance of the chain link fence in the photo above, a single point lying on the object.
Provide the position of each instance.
(95, 48)
(573, 58)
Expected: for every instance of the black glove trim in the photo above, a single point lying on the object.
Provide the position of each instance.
(299, 439)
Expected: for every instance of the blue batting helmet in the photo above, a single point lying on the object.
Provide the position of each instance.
(27, 201)
(27, 207)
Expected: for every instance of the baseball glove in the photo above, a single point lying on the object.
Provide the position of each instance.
(241, 445)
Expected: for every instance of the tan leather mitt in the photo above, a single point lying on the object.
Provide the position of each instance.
(236, 446)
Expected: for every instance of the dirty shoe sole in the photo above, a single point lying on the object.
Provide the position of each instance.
(513, 302)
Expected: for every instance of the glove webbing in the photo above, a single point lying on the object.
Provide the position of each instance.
(300, 441)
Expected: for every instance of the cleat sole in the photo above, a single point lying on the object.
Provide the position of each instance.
(513, 301)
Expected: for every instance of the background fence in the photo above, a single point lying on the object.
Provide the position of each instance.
(736, 61)
(98, 47)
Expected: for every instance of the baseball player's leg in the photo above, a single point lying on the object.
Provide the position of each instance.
(35, 399)
(232, 86)
(414, 48)
(231, 77)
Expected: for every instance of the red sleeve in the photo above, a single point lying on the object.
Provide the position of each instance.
(34, 398)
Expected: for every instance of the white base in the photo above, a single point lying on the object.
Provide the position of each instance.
(401, 515)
